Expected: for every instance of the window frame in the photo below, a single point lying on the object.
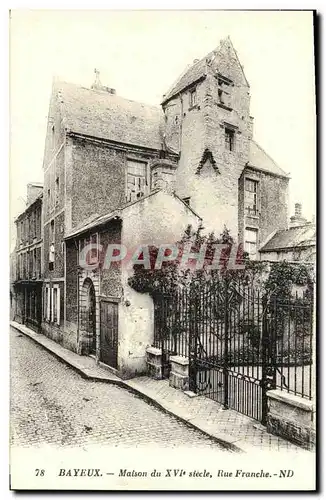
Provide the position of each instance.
(94, 253)
(253, 230)
(193, 101)
(224, 96)
(51, 245)
(47, 307)
(57, 190)
(254, 211)
(229, 132)
(133, 195)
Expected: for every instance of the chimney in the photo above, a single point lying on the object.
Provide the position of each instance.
(34, 189)
(297, 219)
(163, 175)
(298, 210)
(97, 85)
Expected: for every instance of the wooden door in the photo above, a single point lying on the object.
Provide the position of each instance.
(109, 334)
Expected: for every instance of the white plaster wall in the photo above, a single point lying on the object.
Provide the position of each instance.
(157, 219)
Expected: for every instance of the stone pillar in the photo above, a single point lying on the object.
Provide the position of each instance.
(291, 417)
(179, 374)
(154, 362)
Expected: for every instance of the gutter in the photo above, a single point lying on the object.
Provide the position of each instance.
(265, 171)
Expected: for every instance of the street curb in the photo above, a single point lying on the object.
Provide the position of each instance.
(137, 392)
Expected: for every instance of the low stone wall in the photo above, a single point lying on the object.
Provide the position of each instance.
(291, 417)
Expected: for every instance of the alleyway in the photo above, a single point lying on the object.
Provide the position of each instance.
(51, 404)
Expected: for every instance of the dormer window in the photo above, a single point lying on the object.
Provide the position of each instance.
(193, 98)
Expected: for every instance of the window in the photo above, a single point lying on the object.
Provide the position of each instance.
(47, 303)
(193, 98)
(38, 224)
(251, 240)
(51, 246)
(54, 307)
(57, 190)
(251, 191)
(55, 312)
(34, 263)
(187, 200)
(34, 224)
(224, 94)
(94, 252)
(51, 310)
(229, 139)
(136, 180)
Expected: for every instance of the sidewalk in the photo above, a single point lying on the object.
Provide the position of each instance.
(230, 428)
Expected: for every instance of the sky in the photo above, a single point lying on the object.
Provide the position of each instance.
(141, 53)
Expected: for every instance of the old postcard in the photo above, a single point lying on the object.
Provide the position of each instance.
(163, 249)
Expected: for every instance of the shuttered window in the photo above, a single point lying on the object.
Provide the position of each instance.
(136, 180)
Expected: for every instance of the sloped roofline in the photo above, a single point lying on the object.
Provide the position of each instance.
(171, 93)
(236, 54)
(256, 167)
(118, 214)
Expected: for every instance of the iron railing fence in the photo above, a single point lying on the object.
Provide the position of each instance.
(291, 325)
(235, 332)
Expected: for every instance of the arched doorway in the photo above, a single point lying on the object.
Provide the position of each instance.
(90, 314)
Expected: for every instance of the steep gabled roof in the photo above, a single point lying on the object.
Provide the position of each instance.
(198, 70)
(258, 158)
(106, 116)
(191, 75)
(295, 237)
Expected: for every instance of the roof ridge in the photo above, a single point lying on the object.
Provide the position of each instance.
(171, 92)
(78, 85)
(236, 54)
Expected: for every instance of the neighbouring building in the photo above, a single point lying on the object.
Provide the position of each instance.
(119, 171)
(295, 244)
(27, 286)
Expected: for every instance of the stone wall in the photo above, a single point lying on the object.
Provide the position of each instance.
(157, 219)
(213, 191)
(98, 177)
(292, 418)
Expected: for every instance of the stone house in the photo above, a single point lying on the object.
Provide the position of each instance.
(294, 244)
(28, 280)
(123, 172)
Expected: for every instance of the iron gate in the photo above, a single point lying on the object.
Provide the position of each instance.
(225, 330)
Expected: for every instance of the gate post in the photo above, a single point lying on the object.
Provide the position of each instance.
(268, 353)
(226, 345)
(192, 341)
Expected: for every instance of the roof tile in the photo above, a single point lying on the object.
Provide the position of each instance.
(107, 116)
(299, 236)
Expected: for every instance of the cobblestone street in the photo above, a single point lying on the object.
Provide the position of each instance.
(51, 404)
